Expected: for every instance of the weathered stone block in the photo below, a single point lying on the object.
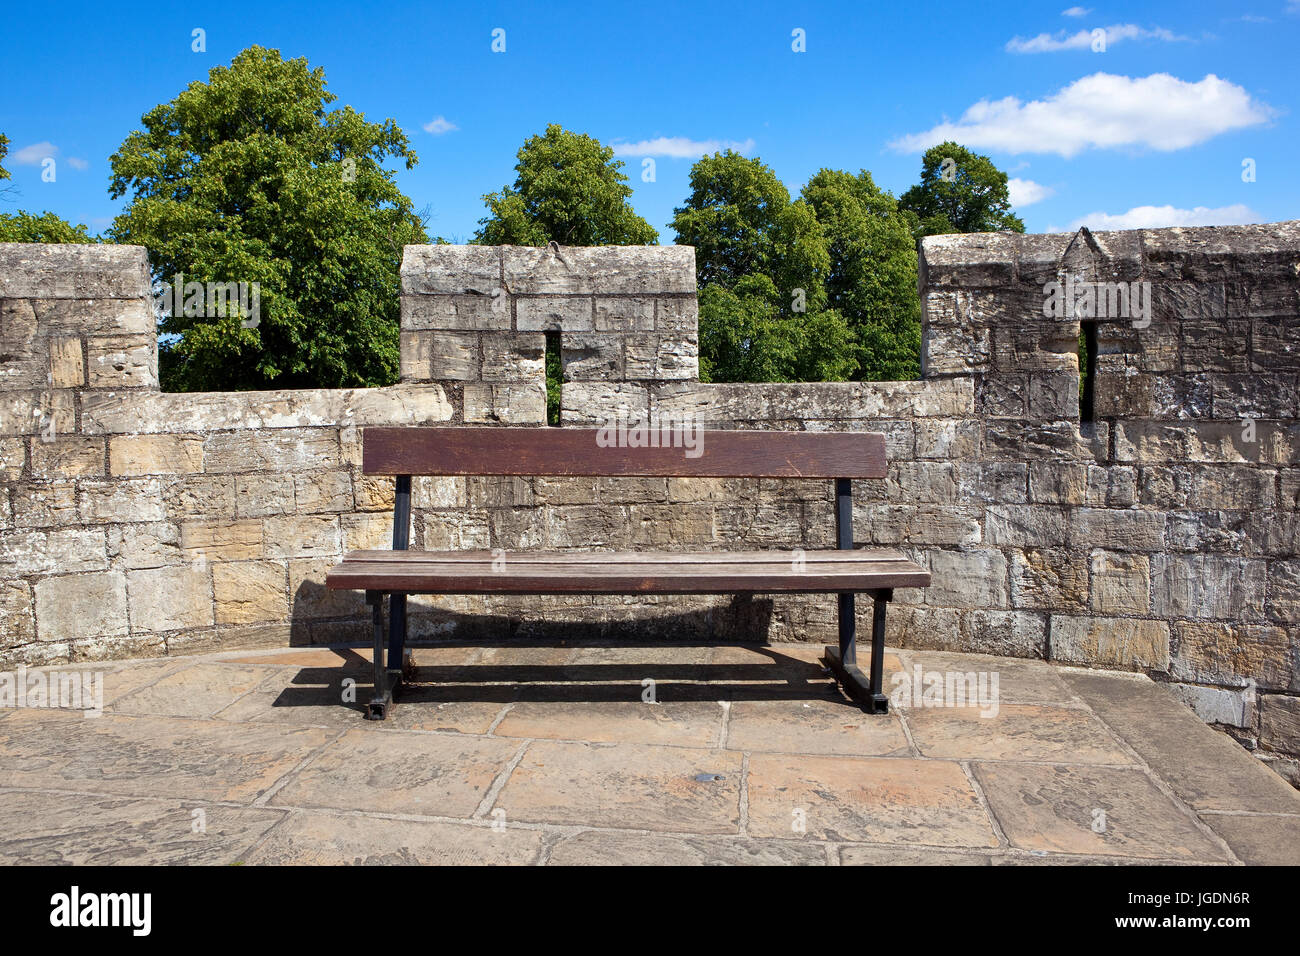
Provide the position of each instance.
(1206, 586)
(967, 579)
(44, 552)
(249, 592)
(626, 314)
(154, 545)
(322, 492)
(1114, 641)
(1211, 652)
(274, 450)
(463, 312)
(1124, 530)
(592, 357)
(1025, 526)
(122, 361)
(130, 499)
(222, 539)
(1052, 579)
(366, 532)
(451, 270)
(456, 531)
(169, 599)
(74, 607)
(67, 367)
(299, 536)
(67, 456)
(132, 455)
(17, 624)
(1231, 706)
(1120, 583)
(1279, 724)
(44, 505)
(554, 313)
(261, 496)
(505, 403)
(514, 357)
(609, 270)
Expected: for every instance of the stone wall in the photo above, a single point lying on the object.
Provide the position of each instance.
(1160, 537)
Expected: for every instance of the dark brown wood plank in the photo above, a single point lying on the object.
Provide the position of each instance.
(560, 452)
(623, 573)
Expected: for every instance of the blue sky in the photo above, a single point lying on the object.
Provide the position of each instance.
(1151, 131)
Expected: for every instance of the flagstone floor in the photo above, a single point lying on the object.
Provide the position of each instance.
(532, 754)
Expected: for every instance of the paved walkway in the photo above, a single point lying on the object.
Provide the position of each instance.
(531, 755)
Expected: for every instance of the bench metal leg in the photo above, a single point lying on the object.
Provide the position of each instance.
(386, 679)
(843, 660)
(396, 632)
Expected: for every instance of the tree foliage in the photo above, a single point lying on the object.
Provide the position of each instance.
(47, 227)
(568, 189)
(249, 178)
(959, 191)
(841, 251)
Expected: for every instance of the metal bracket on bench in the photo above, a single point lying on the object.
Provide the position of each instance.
(387, 680)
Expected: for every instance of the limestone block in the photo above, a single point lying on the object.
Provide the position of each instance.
(323, 491)
(1214, 652)
(262, 496)
(68, 456)
(130, 499)
(548, 313)
(1280, 723)
(170, 598)
(514, 357)
(1209, 586)
(1053, 579)
(132, 455)
(1121, 583)
(248, 592)
(222, 539)
(505, 403)
(45, 505)
(275, 450)
(456, 531)
(72, 607)
(67, 367)
(299, 536)
(461, 312)
(451, 270)
(1113, 641)
(967, 579)
(17, 625)
(632, 314)
(121, 361)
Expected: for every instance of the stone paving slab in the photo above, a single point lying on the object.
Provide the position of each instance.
(866, 799)
(150, 756)
(39, 827)
(1093, 810)
(1014, 732)
(549, 754)
(319, 838)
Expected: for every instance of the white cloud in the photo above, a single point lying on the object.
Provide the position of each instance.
(439, 125)
(78, 163)
(1082, 40)
(679, 147)
(1102, 111)
(1076, 12)
(33, 154)
(1156, 217)
(1026, 192)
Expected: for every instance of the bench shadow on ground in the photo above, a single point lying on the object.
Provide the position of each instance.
(713, 654)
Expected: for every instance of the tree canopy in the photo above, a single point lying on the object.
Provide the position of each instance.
(819, 288)
(249, 178)
(959, 191)
(568, 189)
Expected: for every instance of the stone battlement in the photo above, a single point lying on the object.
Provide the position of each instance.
(1157, 534)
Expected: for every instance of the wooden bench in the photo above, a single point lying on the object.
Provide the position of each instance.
(577, 452)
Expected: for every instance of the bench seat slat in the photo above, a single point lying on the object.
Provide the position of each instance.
(591, 572)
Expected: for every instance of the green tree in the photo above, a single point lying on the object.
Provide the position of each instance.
(568, 189)
(47, 227)
(4, 151)
(762, 264)
(872, 276)
(960, 191)
(249, 178)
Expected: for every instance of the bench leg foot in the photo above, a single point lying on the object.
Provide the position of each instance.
(387, 679)
(842, 660)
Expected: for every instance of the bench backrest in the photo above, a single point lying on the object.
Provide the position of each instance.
(677, 453)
